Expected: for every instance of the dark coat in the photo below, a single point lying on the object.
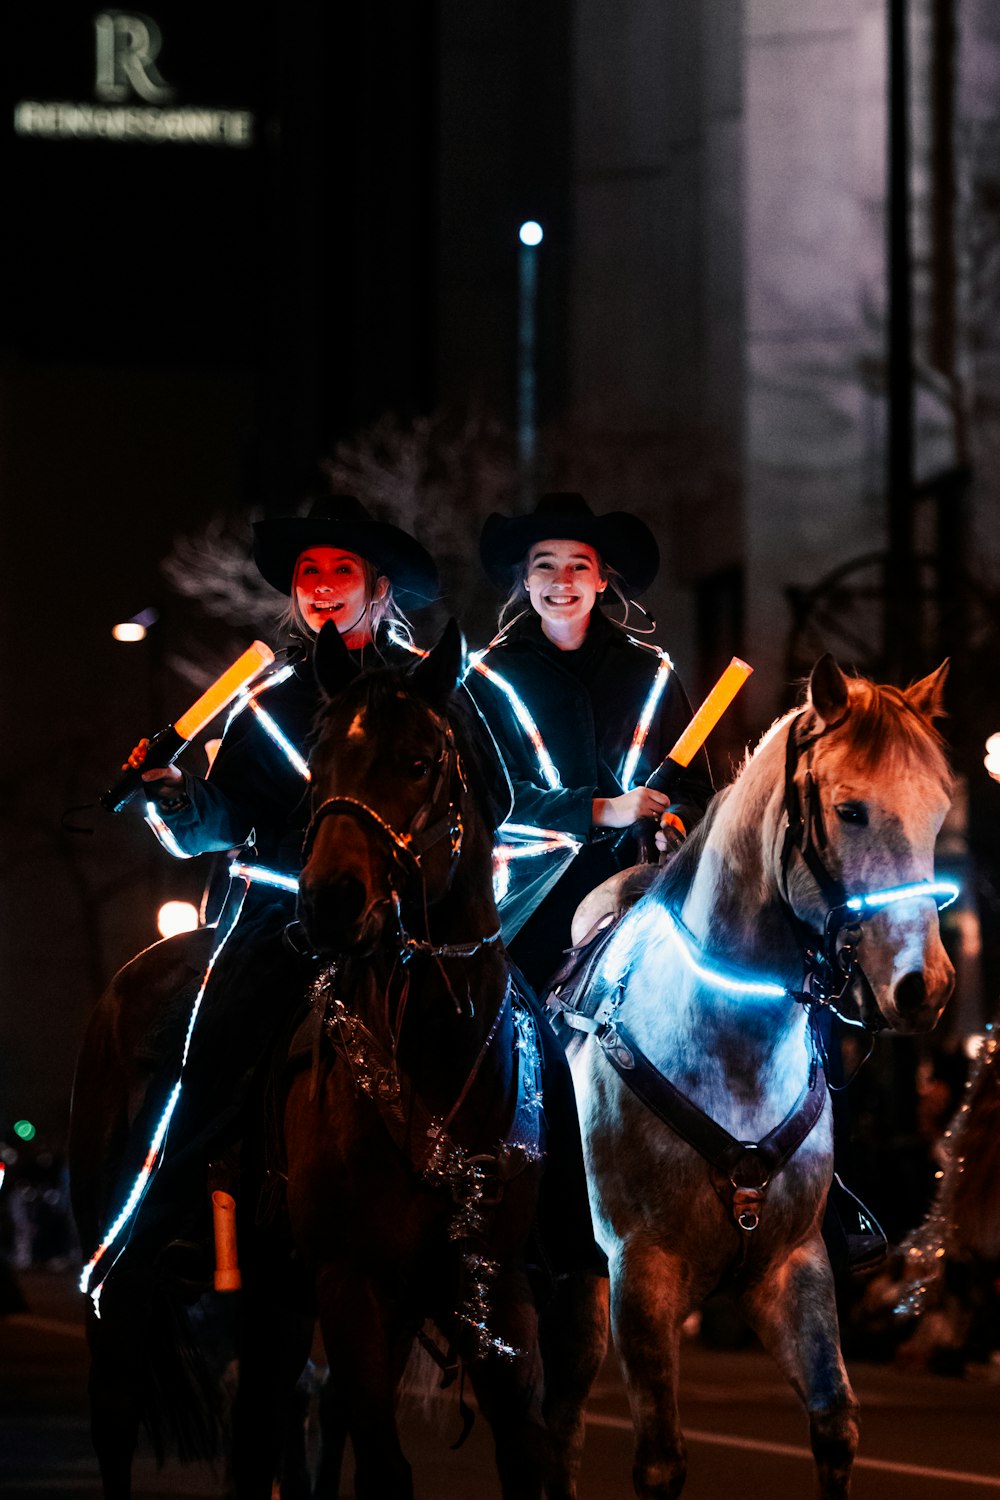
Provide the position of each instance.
(586, 704)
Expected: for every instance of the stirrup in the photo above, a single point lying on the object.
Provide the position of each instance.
(854, 1238)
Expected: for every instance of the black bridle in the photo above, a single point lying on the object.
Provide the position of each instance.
(832, 966)
(439, 816)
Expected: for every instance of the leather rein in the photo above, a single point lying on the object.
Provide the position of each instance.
(428, 827)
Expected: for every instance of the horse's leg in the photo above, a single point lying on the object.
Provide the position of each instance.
(367, 1357)
(114, 1388)
(509, 1390)
(332, 1443)
(274, 1347)
(574, 1340)
(650, 1299)
(794, 1314)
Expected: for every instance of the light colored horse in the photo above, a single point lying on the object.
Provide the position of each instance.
(860, 777)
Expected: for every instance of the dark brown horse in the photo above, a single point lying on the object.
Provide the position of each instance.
(411, 1130)
(390, 1169)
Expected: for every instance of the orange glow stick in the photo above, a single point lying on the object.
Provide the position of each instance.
(701, 725)
(711, 711)
(222, 692)
(164, 747)
(227, 1266)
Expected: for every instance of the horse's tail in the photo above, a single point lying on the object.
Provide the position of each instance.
(184, 1409)
(154, 1362)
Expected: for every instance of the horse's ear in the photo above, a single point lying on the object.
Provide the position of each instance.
(828, 690)
(333, 664)
(442, 669)
(927, 695)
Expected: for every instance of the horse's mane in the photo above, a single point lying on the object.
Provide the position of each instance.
(884, 725)
(380, 686)
(881, 725)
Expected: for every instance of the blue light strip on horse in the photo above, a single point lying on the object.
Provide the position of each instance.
(635, 931)
(941, 892)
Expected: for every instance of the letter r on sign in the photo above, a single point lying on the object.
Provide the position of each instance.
(127, 48)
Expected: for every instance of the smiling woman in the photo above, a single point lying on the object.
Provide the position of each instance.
(336, 564)
(583, 713)
(341, 586)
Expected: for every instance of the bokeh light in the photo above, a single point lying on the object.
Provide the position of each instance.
(176, 916)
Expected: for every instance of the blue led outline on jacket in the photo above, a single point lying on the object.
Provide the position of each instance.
(261, 875)
(641, 730)
(154, 1153)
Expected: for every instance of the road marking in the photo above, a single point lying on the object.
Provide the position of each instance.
(46, 1325)
(786, 1450)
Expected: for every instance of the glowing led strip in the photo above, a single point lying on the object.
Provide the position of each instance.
(533, 842)
(942, 892)
(154, 1153)
(282, 741)
(163, 833)
(523, 717)
(634, 932)
(641, 730)
(260, 875)
(259, 687)
(654, 921)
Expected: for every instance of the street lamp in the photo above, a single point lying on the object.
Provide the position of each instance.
(128, 631)
(530, 235)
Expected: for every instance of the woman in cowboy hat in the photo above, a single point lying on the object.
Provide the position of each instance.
(583, 713)
(335, 563)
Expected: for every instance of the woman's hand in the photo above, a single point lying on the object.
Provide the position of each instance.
(163, 783)
(623, 811)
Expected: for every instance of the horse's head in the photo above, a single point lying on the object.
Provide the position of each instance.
(387, 813)
(867, 788)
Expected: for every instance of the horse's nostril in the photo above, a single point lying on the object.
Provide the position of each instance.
(911, 993)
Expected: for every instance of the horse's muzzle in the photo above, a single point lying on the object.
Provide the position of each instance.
(337, 915)
(920, 996)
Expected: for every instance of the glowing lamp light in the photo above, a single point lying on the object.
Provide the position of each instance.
(531, 233)
(992, 758)
(24, 1130)
(176, 916)
(135, 629)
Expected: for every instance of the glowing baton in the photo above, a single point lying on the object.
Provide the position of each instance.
(165, 747)
(701, 726)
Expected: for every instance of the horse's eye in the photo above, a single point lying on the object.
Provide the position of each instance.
(420, 769)
(852, 812)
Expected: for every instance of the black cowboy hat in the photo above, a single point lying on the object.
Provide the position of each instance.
(622, 541)
(342, 521)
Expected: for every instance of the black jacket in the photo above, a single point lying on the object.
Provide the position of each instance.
(586, 703)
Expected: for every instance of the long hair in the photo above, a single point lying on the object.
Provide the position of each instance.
(384, 614)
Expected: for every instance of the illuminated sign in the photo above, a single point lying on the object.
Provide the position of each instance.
(135, 101)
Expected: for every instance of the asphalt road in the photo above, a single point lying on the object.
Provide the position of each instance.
(924, 1437)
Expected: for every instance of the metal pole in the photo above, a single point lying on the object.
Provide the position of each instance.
(902, 603)
(530, 236)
